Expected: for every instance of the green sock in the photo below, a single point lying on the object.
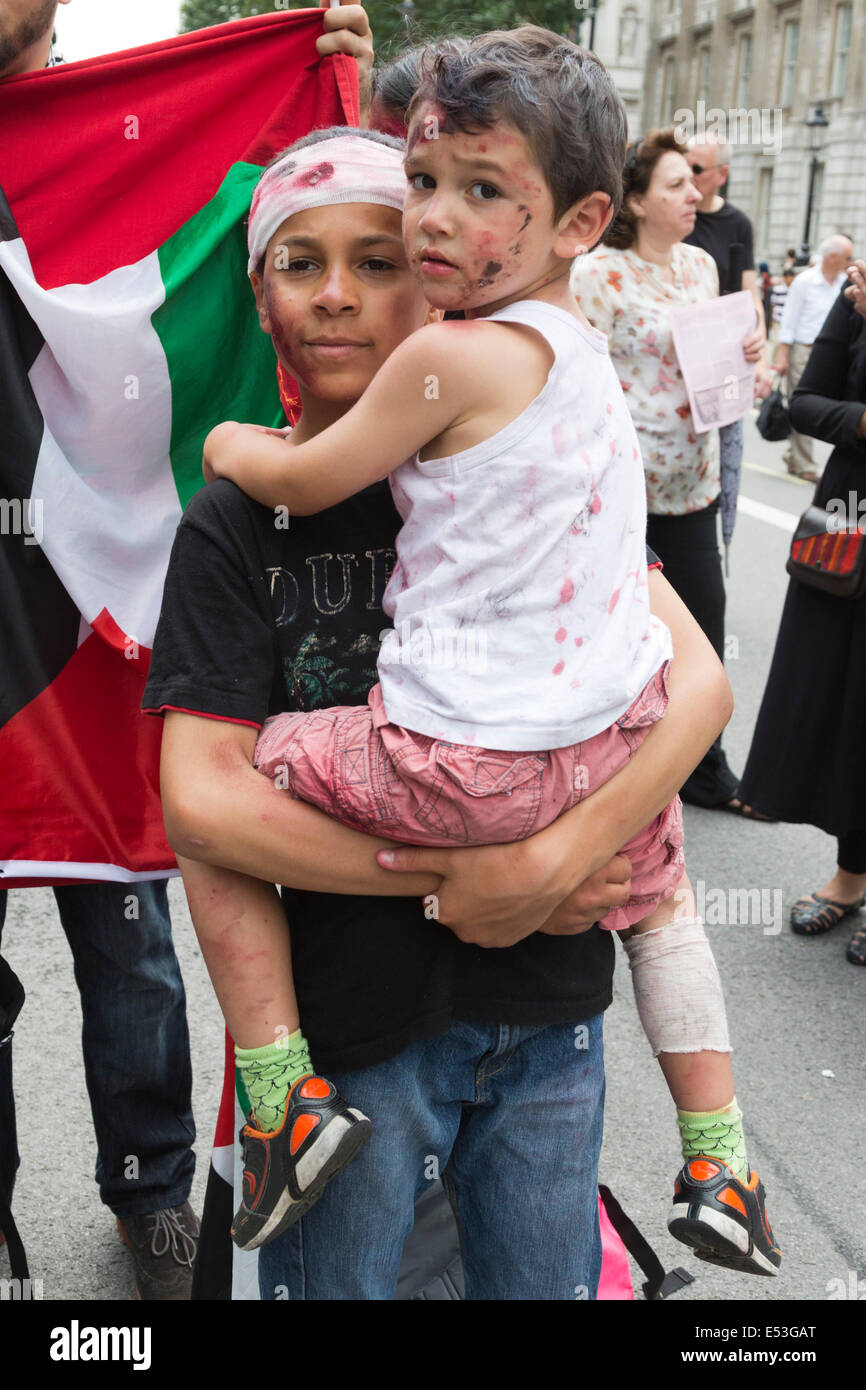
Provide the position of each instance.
(269, 1073)
(715, 1134)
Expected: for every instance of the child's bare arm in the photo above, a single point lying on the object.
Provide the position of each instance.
(429, 382)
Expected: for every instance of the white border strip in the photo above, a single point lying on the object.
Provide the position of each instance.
(102, 873)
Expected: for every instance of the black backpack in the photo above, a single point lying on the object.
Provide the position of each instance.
(433, 1270)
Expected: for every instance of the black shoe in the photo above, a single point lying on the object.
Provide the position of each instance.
(163, 1246)
(722, 1218)
(286, 1171)
(814, 915)
(856, 951)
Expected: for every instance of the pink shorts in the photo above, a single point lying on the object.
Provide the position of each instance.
(386, 780)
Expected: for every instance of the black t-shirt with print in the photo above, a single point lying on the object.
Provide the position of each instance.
(257, 619)
(716, 232)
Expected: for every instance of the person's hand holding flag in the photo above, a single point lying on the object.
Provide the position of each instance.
(347, 30)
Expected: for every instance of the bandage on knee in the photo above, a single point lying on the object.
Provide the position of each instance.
(677, 989)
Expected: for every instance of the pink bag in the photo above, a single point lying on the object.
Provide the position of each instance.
(615, 1281)
(620, 1238)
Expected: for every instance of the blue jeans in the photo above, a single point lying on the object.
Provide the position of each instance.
(135, 1042)
(511, 1118)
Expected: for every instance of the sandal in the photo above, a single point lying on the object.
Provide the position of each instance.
(736, 807)
(856, 952)
(814, 915)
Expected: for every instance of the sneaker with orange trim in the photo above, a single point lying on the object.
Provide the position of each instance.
(286, 1172)
(723, 1219)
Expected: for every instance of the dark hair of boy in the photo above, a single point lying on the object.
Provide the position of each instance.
(330, 132)
(640, 161)
(396, 82)
(559, 96)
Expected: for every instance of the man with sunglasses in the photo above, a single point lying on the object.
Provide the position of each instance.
(719, 226)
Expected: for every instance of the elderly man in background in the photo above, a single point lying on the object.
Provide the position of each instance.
(719, 224)
(809, 300)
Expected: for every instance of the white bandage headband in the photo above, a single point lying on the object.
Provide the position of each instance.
(344, 169)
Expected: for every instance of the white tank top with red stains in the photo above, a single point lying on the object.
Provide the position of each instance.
(520, 600)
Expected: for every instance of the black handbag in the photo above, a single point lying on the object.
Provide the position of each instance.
(828, 555)
(774, 422)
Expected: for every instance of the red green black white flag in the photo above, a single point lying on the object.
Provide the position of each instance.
(127, 329)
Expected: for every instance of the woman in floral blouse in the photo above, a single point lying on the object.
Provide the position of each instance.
(627, 288)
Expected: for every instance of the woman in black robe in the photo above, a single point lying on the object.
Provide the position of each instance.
(807, 762)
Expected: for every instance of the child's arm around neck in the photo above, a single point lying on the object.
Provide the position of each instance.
(439, 376)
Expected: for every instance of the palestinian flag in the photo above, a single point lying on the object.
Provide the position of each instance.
(127, 329)
(222, 1271)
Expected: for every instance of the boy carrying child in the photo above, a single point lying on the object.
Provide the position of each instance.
(429, 1097)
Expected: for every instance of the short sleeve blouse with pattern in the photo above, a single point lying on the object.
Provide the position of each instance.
(628, 299)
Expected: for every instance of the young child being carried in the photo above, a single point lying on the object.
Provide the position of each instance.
(524, 668)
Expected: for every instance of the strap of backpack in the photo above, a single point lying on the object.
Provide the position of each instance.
(658, 1284)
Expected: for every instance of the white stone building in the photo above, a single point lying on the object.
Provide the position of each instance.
(621, 40)
(755, 73)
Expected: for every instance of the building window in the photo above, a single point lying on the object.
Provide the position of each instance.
(744, 70)
(628, 27)
(789, 62)
(666, 102)
(817, 195)
(765, 194)
(702, 82)
(840, 50)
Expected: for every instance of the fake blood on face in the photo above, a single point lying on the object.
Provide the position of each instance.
(282, 333)
(485, 237)
(429, 124)
(489, 273)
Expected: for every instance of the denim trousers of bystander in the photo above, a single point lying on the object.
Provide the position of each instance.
(135, 1042)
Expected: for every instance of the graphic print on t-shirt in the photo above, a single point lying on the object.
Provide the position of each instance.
(318, 668)
(321, 674)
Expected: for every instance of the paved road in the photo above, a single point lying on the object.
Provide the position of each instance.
(796, 1010)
